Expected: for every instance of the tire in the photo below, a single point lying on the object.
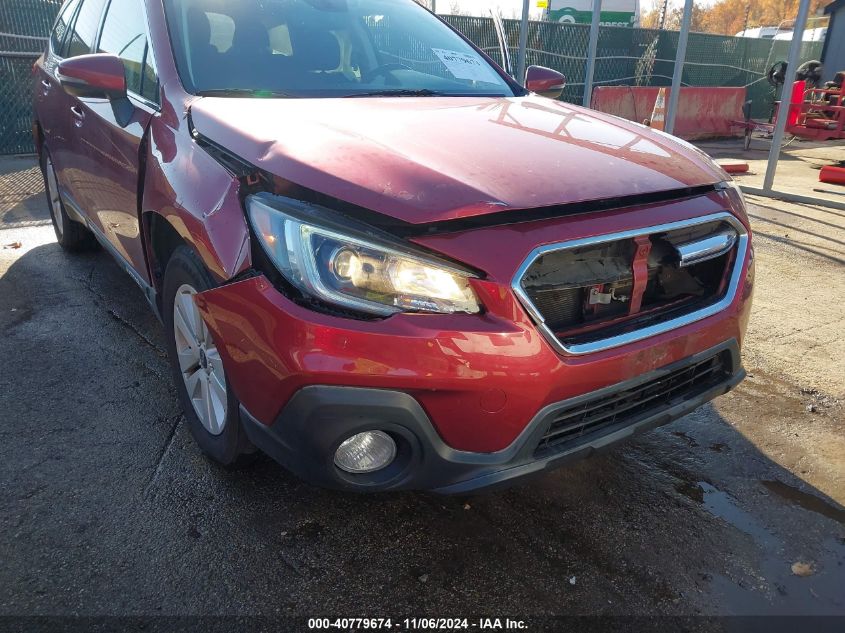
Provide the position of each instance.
(209, 404)
(71, 235)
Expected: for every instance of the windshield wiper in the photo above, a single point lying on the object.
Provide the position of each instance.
(396, 92)
(424, 92)
(240, 92)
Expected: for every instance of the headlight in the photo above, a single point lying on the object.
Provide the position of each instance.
(352, 271)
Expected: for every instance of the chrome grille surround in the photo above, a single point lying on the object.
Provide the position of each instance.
(611, 342)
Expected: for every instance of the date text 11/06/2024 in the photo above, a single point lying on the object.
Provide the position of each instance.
(417, 624)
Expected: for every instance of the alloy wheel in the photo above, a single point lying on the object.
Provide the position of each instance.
(199, 362)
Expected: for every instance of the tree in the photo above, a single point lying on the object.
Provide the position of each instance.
(649, 19)
(727, 17)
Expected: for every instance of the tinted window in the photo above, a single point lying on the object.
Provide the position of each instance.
(149, 89)
(84, 28)
(125, 35)
(58, 34)
(316, 48)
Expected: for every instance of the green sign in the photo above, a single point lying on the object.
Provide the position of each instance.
(569, 15)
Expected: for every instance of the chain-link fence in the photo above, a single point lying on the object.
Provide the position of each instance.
(625, 56)
(24, 25)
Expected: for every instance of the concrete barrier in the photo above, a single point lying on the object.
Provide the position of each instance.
(702, 112)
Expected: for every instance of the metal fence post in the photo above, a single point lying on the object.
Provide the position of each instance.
(677, 74)
(786, 93)
(523, 42)
(591, 53)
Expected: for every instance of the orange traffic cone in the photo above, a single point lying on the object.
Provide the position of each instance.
(658, 115)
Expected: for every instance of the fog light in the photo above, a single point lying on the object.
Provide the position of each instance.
(365, 452)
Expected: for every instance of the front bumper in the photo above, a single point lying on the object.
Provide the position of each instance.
(480, 378)
(318, 418)
(469, 390)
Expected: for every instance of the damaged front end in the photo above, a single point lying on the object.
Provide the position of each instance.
(603, 292)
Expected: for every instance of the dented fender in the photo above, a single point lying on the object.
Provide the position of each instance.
(198, 197)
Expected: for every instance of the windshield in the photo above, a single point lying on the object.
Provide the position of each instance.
(323, 48)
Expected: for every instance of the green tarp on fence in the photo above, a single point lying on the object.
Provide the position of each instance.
(644, 57)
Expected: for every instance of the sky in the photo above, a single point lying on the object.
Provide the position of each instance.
(482, 7)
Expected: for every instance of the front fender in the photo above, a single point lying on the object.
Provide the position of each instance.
(198, 197)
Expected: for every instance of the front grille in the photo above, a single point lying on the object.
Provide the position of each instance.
(585, 292)
(605, 414)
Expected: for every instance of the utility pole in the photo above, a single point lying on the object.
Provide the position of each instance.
(677, 74)
(523, 43)
(786, 93)
(592, 46)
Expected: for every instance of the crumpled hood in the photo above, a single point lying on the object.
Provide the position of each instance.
(427, 159)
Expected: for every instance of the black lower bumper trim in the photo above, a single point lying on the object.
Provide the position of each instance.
(318, 418)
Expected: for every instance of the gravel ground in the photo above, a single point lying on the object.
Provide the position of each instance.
(108, 508)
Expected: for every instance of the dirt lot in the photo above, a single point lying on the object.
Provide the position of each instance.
(107, 507)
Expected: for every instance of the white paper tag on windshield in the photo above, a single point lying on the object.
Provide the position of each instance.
(466, 66)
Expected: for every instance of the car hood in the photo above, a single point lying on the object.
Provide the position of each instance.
(427, 159)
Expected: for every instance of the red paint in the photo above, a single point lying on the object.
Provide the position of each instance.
(197, 196)
(272, 348)
(832, 175)
(449, 363)
(797, 98)
(479, 377)
(816, 113)
(544, 80)
(427, 159)
(702, 112)
(499, 251)
(98, 71)
(734, 168)
(640, 269)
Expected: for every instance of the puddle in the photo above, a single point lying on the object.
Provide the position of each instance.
(691, 490)
(722, 505)
(775, 589)
(805, 500)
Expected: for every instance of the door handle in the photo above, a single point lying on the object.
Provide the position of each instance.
(79, 115)
(47, 85)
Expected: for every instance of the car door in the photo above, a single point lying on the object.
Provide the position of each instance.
(51, 103)
(70, 159)
(111, 146)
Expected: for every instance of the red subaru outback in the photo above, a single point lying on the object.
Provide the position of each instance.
(378, 258)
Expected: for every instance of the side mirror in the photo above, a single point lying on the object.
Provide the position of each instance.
(95, 76)
(545, 81)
